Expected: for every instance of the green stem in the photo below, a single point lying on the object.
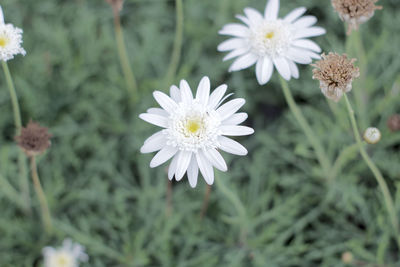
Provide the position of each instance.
(18, 125)
(123, 57)
(379, 178)
(354, 47)
(312, 138)
(176, 52)
(40, 194)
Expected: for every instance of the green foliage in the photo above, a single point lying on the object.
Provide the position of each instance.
(272, 208)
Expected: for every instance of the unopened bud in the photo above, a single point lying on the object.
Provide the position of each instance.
(394, 123)
(372, 135)
(347, 257)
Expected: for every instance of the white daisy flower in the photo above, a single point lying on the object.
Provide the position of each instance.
(69, 255)
(10, 40)
(269, 41)
(195, 129)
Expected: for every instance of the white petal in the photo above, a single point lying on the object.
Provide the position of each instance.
(235, 29)
(1, 16)
(157, 111)
(299, 55)
(243, 62)
(229, 108)
(172, 167)
(231, 44)
(293, 69)
(231, 146)
(183, 163)
(307, 44)
(186, 93)
(271, 10)
(205, 168)
(216, 159)
(175, 93)
(235, 53)
(305, 22)
(193, 172)
(236, 119)
(294, 14)
(253, 15)
(165, 101)
(244, 19)
(309, 32)
(154, 143)
(203, 90)
(216, 96)
(155, 119)
(236, 130)
(283, 67)
(264, 69)
(162, 156)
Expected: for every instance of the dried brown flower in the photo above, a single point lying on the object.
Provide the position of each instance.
(355, 12)
(393, 122)
(116, 4)
(33, 139)
(335, 74)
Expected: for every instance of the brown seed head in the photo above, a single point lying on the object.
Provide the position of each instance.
(335, 74)
(34, 139)
(116, 4)
(393, 122)
(355, 12)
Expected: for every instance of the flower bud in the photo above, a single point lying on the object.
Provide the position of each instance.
(393, 122)
(372, 135)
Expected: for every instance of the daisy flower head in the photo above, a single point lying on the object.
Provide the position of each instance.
(69, 255)
(194, 130)
(10, 40)
(269, 41)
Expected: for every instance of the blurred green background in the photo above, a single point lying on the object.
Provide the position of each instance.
(276, 209)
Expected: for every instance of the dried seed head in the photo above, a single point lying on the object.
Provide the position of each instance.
(394, 122)
(347, 257)
(116, 4)
(34, 139)
(355, 12)
(335, 74)
(372, 135)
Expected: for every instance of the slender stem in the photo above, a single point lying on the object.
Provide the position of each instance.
(311, 136)
(168, 210)
(176, 52)
(379, 178)
(205, 201)
(40, 194)
(18, 125)
(123, 57)
(354, 47)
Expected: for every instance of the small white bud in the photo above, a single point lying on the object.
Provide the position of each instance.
(372, 135)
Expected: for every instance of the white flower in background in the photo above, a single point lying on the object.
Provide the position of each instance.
(194, 130)
(69, 255)
(269, 41)
(10, 40)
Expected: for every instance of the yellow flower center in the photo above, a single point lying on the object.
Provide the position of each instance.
(269, 35)
(3, 41)
(193, 126)
(63, 260)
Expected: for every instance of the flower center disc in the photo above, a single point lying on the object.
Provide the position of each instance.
(3, 41)
(193, 125)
